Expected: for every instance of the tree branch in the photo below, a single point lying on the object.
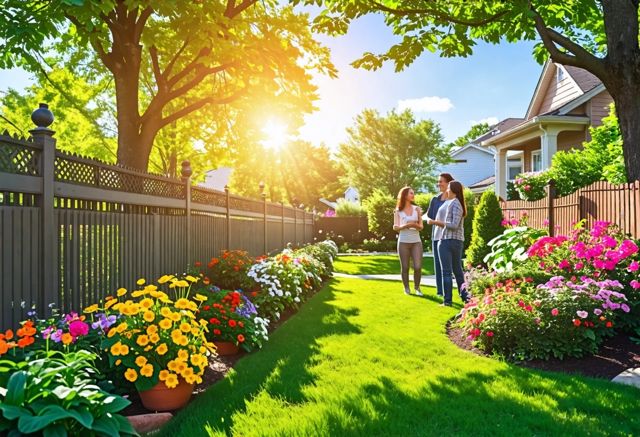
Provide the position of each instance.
(440, 15)
(189, 68)
(199, 104)
(142, 21)
(202, 74)
(232, 10)
(160, 79)
(107, 58)
(169, 68)
(579, 57)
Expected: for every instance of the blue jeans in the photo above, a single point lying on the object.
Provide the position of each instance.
(436, 265)
(450, 252)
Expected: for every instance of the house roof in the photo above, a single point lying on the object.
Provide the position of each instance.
(484, 182)
(584, 79)
(471, 146)
(498, 128)
(534, 123)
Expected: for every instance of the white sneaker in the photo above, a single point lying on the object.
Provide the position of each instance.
(419, 293)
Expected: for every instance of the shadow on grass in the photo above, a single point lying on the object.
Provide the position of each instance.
(468, 405)
(280, 367)
(377, 265)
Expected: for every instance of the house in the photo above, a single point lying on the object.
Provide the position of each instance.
(351, 194)
(566, 102)
(471, 163)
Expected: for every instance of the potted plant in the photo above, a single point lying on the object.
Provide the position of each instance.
(158, 343)
(233, 321)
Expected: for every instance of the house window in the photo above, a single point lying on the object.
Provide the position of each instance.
(460, 161)
(514, 168)
(536, 160)
(560, 73)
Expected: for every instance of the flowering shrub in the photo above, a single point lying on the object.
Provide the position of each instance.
(510, 247)
(157, 338)
(232, 317)
(531, 186)
(520, 320)
(324, 252)
(229, 270)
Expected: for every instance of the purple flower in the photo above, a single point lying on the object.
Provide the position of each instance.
(582, 314)
(597, 311)
(624, 307)
(56, 336)
(103, 322)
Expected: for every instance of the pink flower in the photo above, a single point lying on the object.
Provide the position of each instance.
(582, 314)
(579, 265)
(504, 222)
(597, 311)
(489, 333)
(634, 266)
(537, 320)
(527, 187)
(521, 303)
(545, 222)
(528, 308)
(554, 312)
(564, 264)
(635, 284)
(78, 328)
(493, 312)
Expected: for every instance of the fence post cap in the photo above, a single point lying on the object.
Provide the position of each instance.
(186, 169)
(42, 118)
(226, 188)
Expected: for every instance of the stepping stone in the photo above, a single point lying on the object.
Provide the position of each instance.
(144, 423)
(629, 377)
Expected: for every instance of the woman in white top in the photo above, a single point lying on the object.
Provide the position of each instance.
(407, 221)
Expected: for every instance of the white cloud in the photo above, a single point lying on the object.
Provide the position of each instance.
(489, 120)
(426, 104)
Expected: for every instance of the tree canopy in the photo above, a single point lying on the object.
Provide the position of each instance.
(168, 59)
(476, 130)
(389, 152)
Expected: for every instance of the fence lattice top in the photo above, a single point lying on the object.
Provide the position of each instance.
(19, 156)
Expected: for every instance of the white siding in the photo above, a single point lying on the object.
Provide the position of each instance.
(479, 166)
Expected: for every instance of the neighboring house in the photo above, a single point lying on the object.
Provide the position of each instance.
(566, 102)
(471, 163)
(217, 179)
(352, 195)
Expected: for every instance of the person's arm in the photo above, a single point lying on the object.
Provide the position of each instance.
(396, 222)
(453, 218)
(418, 224)
(431, 214)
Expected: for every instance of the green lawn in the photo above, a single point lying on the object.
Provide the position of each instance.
(361, 358)
(376, 265)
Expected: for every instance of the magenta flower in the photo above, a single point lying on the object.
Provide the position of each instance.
(78, 328)
(582, 314)
(635, 284)
(564, 264)
(634, 266)
(624, 307)
(554, 312)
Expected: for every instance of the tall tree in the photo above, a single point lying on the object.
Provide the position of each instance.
(389, 152)
(476, 131)
(168, 59)
(600, 36)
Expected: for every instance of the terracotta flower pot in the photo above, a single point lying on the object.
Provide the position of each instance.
(162, 398)
(225, 348)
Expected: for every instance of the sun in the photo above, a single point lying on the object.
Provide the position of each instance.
(275, 135)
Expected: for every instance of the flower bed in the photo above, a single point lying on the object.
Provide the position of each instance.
(561, 300)
(158, 334)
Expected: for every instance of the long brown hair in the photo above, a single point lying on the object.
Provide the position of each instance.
(457, 189)
(402, 198)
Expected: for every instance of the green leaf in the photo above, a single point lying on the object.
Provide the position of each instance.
(56, 430)
(83, 416)
(125, 425)
(15, 388)
(63, 392)
(107, 425)
(590, 334)
(12, 412)
(31, 424)
(113, 404)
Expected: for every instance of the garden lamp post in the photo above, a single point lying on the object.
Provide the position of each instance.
(264, 204)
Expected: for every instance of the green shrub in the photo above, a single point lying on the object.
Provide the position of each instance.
(423, 200)
(532, 186)
(509, 249)
(346, 208)
(55, 393)
(380, 209)
(470, 202)
(512, 193)
(375, 245)
(487, 224)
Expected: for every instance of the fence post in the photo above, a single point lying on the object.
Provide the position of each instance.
(282, 209)
(264, 210)
(295, 226)
(186, 178)
(550, 198)
(43, 136)
(226, 190)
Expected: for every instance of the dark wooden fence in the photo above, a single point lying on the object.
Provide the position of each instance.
(73, 230)
(343, 229)
(619, 204)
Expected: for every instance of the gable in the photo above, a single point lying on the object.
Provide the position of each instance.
(552, 93)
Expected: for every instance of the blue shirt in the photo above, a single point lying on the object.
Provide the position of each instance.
(434, 206)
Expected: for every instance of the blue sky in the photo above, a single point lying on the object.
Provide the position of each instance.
(496, 82)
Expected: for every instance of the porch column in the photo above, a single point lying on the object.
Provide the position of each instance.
(549, 147)
(501, 173)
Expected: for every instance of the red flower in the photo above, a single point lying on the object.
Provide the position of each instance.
(197, 263)
(489, 333)
(609, 324)
(216, 332)
(576, 322)
(528, 308)
(206, 308)
(240, 324)
(232, 323)
(240, 338)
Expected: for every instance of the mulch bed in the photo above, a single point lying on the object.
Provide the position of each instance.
(616, 355)
(218, 368)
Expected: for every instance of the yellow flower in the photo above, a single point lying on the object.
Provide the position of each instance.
(140, 361)
(139, 293)
(140, 281)
(198, 380)
(195, 330)
(150, 288)
(165, 324)
(190, 379)
(91, 309)
(122, 327)
(175, 317)
(154, 338)
(165, 278)
(152, 329)
(165, 312)
(118, 362)
(163, 375)
(131, 375)
(182, 303)
(185, 327)
(203, 322)
(143, 340)
(147, 370)
(200, 298)
(149, 316)
(111, 333)
(172, 365)
(171, 381)
(110, 303)
(115, 349)
(124, 350)
(166, 300)
(183, 355)
(176, 333)
(121, 292)
(191, 278)
(162, 349)
(187, 372)
(196, 359)
(146, 303)
(181, 366)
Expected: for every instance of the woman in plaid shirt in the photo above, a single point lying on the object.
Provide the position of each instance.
(449, 232)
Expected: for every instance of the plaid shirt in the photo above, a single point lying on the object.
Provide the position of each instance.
(451, 214)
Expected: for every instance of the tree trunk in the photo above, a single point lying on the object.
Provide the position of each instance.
(628, 113)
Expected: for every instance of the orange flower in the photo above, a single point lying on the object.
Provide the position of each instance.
(197, 263)
(66, 338)
(240, 338)
(206, 281)
(4, 347)
(25, 341)
(8, 334)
